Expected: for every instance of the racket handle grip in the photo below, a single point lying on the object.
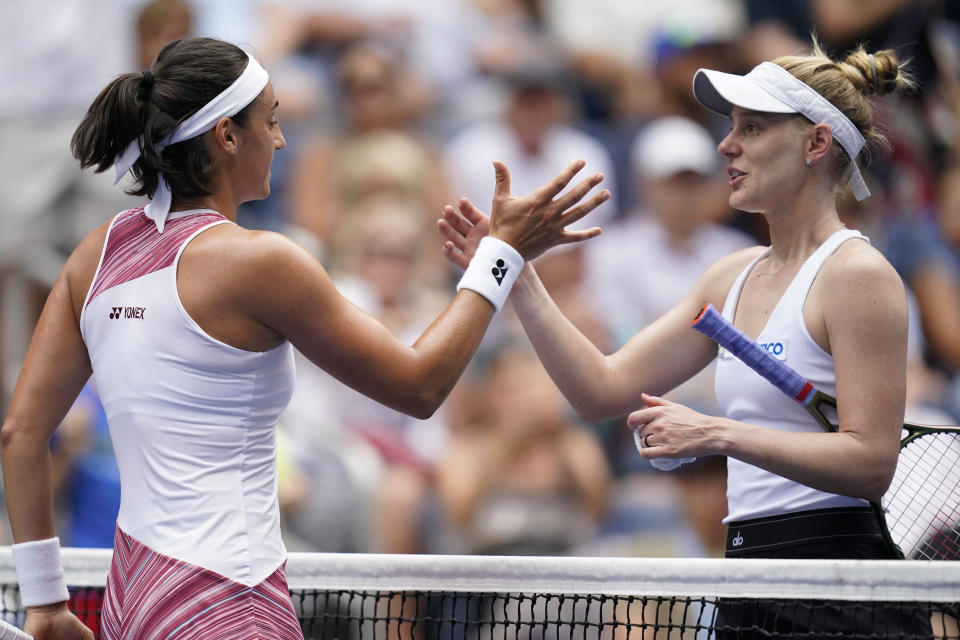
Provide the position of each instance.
(663, 464)
(712, 324)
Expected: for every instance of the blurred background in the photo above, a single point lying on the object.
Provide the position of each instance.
(392, 108)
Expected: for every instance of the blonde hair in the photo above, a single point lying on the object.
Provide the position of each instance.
(848, 85)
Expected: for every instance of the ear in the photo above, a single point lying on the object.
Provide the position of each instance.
(225, 135)
(819, 142)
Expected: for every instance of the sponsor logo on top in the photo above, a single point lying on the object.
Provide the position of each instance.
(132, 313)
(776, 348)
(499, 271)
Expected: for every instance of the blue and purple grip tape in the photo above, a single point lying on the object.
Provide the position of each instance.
(712, 324)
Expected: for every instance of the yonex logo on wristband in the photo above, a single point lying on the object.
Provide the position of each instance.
(737, 541)
(499, 271)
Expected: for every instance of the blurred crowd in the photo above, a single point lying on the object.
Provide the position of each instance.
(392, 109)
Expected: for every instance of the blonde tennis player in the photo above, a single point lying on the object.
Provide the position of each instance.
(819, 297)
(188, 322)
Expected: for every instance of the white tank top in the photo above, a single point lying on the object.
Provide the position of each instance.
(747, 397)
(192, 419)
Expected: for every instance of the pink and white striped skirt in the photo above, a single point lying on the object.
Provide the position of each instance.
(152, 596)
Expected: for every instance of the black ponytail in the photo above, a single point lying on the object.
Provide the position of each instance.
(186, 75)
(113, 120)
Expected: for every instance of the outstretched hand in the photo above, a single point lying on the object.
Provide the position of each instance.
(463, 231)
(531, 224)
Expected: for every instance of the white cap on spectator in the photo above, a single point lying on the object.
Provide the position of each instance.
(673, 144)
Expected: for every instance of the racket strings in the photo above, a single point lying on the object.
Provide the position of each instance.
(921, 505)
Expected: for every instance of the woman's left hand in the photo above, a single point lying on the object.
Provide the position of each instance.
(671, 430)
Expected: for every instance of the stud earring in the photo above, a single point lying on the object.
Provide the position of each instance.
(809, 162)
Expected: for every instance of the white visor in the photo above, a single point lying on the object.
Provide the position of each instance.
(770, 88)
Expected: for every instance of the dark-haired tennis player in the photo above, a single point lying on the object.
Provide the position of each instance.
(188, 323)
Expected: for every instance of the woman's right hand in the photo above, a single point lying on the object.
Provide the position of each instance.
(536, 222)
(463, 232)
(55, 622)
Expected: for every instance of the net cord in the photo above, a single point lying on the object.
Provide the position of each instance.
(888, 580)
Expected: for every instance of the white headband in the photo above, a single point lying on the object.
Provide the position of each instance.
(227, 104)
(771, 88)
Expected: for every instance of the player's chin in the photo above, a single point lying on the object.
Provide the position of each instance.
(265, 188)
(739, 201)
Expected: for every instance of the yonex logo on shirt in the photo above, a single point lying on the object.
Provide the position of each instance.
(499, 271)
(737, 541)
(127, 312)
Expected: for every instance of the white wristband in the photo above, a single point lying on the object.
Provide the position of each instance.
(492, 271)
(39, 572)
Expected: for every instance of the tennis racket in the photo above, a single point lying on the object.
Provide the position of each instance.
(921, 509)
(10, 632)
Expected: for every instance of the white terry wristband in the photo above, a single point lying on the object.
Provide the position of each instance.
(39, 572)
(492, 271)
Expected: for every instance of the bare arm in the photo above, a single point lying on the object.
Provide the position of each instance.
(54, 371)
(601, 386)
(296, 299)
(861, 307)
(862, 311)
(598, 385)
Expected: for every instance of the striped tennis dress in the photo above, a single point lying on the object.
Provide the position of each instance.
(197, 552)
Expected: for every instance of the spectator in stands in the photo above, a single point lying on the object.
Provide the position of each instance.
(379, 150)
(532, 134)
(381, 457)
(160, 22)
(524, 479)
(54, 58)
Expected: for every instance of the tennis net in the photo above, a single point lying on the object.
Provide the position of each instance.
(361, 596)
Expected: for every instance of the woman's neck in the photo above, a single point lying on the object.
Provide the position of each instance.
(795, 233)
(215, 202)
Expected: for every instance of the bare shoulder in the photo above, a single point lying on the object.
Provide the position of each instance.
(858, 291)
(259, 273)
(857, 269)
(81, 266)
(247, 252)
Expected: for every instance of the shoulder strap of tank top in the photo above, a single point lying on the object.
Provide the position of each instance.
(801, 283)
(103, 253)
(733, 296)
